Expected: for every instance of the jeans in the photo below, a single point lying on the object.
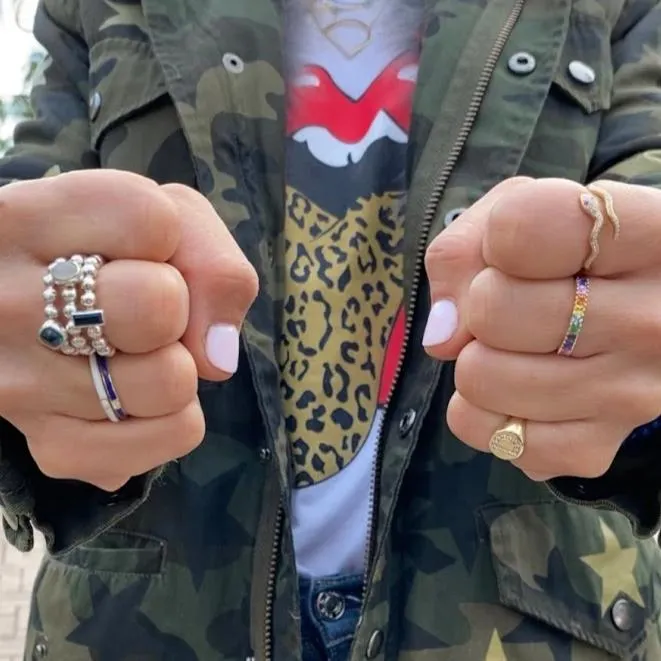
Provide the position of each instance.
(330, 608)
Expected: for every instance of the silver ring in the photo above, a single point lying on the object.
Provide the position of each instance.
(77, 327)
(105, 388)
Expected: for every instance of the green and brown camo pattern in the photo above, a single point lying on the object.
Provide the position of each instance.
(472, 562)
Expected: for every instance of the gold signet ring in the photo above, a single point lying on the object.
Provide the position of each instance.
(509, 442)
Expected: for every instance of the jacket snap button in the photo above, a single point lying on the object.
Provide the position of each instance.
(452, 215)
(406, 423)
(264, 455)
(40, 649)
(10, 519)
(581, 72)
(374, 644)
(622, 615)
(233, 63)
(522, 63)
(331, 605)
(95, 105)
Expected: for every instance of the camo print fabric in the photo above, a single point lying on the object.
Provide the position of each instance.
(471, 562)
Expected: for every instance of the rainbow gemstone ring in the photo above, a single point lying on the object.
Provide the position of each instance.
(577, 316)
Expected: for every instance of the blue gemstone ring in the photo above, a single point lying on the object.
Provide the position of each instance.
(105, 388)
(73, 325)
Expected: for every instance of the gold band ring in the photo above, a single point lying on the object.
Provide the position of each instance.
(509, 442)
(590, 203)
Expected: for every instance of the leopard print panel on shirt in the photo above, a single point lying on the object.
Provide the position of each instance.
(344, 288)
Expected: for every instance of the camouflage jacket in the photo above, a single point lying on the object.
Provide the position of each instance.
(470, 561)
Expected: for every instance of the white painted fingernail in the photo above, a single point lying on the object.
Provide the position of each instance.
(222, 347)
(442, 323)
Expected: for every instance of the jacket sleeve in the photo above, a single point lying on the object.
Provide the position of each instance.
(56, 140)
(629, 150)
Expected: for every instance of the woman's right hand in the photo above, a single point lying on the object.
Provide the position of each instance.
(175, 290)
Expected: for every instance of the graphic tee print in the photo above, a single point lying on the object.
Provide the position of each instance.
(352, 69)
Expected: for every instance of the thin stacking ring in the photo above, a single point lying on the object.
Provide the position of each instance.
(105, 388)
(581, 300)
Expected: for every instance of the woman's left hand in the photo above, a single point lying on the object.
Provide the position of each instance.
(502, 280)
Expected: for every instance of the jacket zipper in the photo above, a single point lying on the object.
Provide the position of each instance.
(271, 582)
(428, 219)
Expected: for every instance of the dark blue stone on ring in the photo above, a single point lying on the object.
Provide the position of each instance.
(109, 387)
(52, 335)
(87, 318)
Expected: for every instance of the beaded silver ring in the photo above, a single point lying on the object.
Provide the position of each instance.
(75, 328)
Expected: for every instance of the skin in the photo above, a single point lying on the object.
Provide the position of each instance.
(175, 271)
(509, 264)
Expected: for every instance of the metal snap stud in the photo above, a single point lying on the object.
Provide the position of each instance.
(406, 422)
(95, 105)
(374, 644)
(331, 605)
(264, 455)
(522, 63)
(452, 215)
(581, 72)
(233, 63)
(622, 615)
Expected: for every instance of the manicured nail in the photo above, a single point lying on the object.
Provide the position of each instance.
(222, 347)
(442, 323)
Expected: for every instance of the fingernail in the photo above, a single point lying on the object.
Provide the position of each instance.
(222, 347)
(442, 323)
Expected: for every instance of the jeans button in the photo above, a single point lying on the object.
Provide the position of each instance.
(331, 605)
(374, 644)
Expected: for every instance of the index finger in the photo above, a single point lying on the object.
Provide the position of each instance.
(539, 230)
(119, 215)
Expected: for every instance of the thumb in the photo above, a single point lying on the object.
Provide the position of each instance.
(221, 281)
(452, 261)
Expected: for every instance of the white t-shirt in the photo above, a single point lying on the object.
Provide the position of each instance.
(352, 66)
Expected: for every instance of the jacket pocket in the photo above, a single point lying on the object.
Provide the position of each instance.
(125, 79)
(580, 93)
(117, 552)
(90, 602)
(579, 572)
(584, 75)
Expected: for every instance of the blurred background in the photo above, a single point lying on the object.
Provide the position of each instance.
(19, 56)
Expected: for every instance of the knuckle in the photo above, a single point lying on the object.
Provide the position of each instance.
(164, 311)
(450, 248)
(188, 429)
(470, 381)
(241, 274)
(176, 374)
(484, 303)
(159, 226)
(238, 282)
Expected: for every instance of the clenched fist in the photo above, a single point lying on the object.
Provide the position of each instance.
(174, 292)
(503, 289)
